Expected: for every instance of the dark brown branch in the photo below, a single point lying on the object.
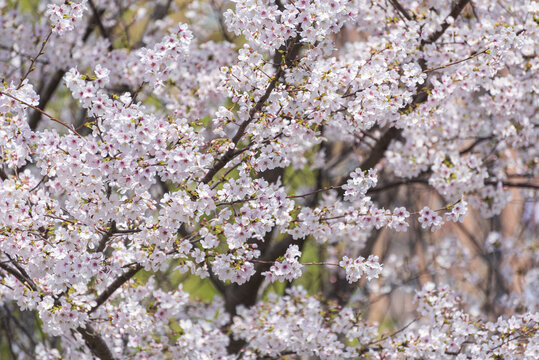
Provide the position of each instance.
(425, 182)
(116, 284)
(161, 10)
(516, 185)
(106, 237)
(377, 152)
(393, 333)
(313, 192)
(400, 9)
(22, 272)
(455, 12)
(97, 17)
(229, 155)
(18, 276)
(474, 144)
(95, 343)
(221, 22)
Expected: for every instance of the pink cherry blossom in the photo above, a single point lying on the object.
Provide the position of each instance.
(251, 179)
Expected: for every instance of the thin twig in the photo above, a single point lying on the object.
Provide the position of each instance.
(42, 112)
(31, 68)
(517, 185)
(456, 62)
(314, 192)
(394, 333)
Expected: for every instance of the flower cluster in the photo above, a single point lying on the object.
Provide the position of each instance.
(360, 181)
(296, 322)
(237, 266)
(398, 219)
(163, 59)
(287, 269)
(269, 26)
(430, 218)
(458, 211)
(65, 14)
(15, 134)
(147, 210)
(356, 268)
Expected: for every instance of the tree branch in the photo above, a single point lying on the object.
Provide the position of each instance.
(44, 98)
(30, 284)
(229, 155)
(106, 237)
(397, 183)
(455, 12)
(42, 112)
(116, 284)
(456, 62)
(516, 185)
(97, 16)
(382, 145)
(400, 9)
(31, 67)
(95, 343)
(46, 94)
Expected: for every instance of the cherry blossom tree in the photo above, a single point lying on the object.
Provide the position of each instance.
(269, 179)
